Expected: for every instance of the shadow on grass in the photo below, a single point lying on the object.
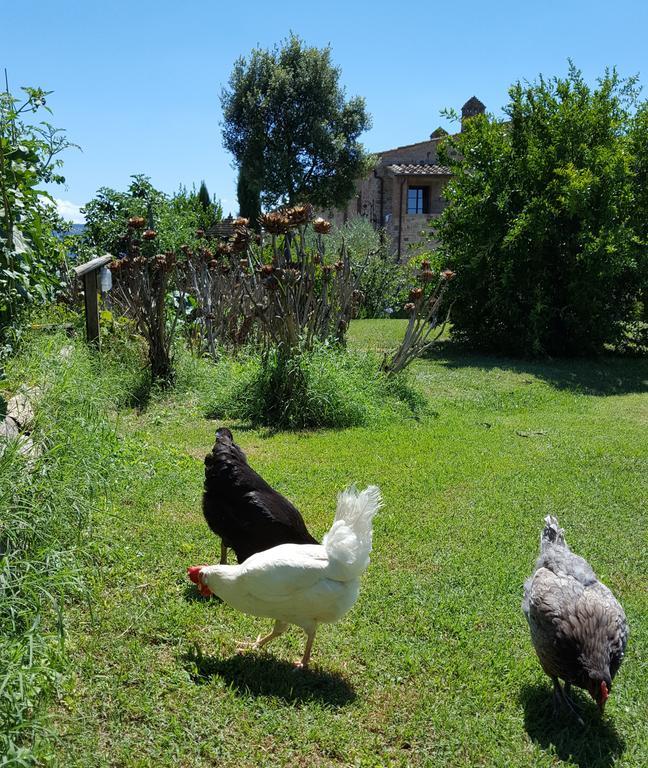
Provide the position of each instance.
(594, 745)
(263, 675)
(594, 376)
(192, 595)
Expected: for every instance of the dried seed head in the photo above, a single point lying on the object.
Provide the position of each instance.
(357, 296)
(299, 214)
(427, 275)
(409, 307)
(275, 222)
(240, 240)
(291, 276)
(415, 294)
(224, 248)
(339, 266)
(149, 234)
(241, 222)
(425, 264)
(213, 264)
(185, 248)
(200, 233)
(267, 269)
(448, 274)
(322, 226)
(136, 222)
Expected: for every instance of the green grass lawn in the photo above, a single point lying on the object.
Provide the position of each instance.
(433, 665)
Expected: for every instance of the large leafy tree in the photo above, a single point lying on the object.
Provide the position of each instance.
(544, 218)
(293, 134)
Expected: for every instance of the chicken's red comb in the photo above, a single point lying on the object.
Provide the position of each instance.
(193, 571)
(194, 574)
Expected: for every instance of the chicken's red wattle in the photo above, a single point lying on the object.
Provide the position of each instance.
(193, 571)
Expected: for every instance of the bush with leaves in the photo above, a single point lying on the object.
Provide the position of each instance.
(544, 218)
(383, 279)
(180, 219)
(32, 258)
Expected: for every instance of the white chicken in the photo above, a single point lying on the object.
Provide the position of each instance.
(302, 584)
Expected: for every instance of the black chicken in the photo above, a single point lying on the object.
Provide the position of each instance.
(578, 628)
(241, 508)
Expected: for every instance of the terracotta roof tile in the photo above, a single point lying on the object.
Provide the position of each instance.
(418, 169)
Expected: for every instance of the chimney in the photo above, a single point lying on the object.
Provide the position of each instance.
(471, 108)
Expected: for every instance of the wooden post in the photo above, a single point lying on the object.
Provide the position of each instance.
(91, 307)
(88, 272)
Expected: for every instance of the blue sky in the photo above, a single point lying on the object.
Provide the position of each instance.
(137, 84)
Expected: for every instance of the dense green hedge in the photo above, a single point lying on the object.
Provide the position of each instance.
(546, 222)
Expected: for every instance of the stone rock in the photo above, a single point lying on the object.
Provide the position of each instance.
(20, 409)
(8, 429)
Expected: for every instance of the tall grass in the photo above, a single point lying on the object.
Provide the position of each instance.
(46, 507)
(327, 387)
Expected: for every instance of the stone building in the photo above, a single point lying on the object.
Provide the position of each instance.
(405, 191)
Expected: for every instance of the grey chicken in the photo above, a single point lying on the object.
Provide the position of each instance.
(578, 629)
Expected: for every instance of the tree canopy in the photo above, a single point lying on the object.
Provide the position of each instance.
(545, 223)
(176, 218)
(293, 134)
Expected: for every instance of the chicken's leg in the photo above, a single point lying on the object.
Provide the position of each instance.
(561, 696)
(223, 560)
(279, 628)
(303, 664)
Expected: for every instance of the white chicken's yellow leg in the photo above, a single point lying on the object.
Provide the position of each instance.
(279, 628)
(303, 664)
(223, 560)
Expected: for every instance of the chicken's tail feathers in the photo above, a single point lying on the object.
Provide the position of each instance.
(348, 542)
(552, 533)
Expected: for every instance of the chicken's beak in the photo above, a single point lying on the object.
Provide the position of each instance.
(603, 696)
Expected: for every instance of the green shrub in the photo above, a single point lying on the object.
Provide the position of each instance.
(328, 387)
(542, 225)
(382, 279)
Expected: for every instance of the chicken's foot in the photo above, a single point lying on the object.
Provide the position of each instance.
(279, 628)
(223, 560)
(562, 697)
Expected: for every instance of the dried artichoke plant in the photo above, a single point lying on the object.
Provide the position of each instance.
(424, 308)
(225, 315)
(300, 296)
(141, 283)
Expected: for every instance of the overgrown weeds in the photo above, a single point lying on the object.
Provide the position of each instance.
(46, 507)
